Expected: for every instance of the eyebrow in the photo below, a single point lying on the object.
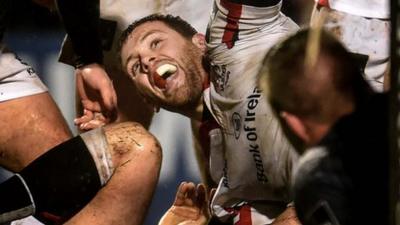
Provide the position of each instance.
(148, 34)
(140, 41)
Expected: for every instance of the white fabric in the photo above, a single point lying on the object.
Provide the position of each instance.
(127, 11)
(365, 36)
(366, 8)
(95, 141)
(17, 79)
(257, 158)
(30, 220)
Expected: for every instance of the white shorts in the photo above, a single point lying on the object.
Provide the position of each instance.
(30, 220)
(17, 79)
(365, 36)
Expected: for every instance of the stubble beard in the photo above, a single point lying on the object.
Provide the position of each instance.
(188, 96)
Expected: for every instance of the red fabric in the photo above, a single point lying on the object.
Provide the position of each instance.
(51, 218)
(244, 216)
(323, 3)
(244, 213)
(231, 30)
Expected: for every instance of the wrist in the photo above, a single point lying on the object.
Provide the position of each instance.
(93, 65)
(85, 61)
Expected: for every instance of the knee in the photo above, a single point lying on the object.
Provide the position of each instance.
(130, 141)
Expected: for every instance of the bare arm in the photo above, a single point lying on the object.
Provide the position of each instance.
(81, 20)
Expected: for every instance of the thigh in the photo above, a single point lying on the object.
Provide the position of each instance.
(30, 126)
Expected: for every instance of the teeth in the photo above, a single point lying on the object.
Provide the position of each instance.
(166, 69)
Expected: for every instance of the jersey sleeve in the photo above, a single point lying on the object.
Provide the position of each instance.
(81, 22)
(238, 38)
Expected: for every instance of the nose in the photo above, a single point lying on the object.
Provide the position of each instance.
(147, 62)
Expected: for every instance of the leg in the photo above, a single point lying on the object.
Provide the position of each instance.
(136, 156)
(30, 126)
(123, 157)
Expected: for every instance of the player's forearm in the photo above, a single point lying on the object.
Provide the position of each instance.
(81, 22)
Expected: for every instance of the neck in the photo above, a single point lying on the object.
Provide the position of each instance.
(318, 130)
(194, 112)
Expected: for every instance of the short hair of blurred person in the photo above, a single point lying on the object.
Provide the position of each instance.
(318, 93)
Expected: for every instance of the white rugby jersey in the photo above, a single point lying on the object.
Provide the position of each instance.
(366, 8)
(250, 157)
(127, 11)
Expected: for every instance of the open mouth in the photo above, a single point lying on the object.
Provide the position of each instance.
(162, 73)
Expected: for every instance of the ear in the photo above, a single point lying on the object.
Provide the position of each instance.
(296, 125)
(200, 41)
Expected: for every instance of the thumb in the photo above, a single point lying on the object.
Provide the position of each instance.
(109, 97)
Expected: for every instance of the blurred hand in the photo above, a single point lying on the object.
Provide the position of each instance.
(97, 95)
(189, 208)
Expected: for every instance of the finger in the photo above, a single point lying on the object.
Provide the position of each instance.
(91, 105)
(93, 124)
(191, 194)
(109, 97)
(111, 116)
(201, 197)
(86, 117)
(180, 194)
(80, 84)
(81, 120)
(100, 117)
(115, 99)
(109, 101)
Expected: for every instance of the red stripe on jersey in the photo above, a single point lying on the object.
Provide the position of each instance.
(244, 215)
(323, 3)
(50, 218)
(231, 30)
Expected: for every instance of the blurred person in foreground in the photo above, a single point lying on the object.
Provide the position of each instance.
(338, 124)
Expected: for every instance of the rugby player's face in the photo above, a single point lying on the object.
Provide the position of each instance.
(166, 68)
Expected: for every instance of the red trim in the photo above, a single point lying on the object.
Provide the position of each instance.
(206, 83)
(232, 26)
(323, 3)
(51, 217)
(244, 215)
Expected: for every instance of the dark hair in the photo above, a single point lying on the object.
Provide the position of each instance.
(296, 87)
(174, 22)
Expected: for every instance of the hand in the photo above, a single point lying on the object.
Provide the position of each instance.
(90, 120)
(96, 92)
(189, 208)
